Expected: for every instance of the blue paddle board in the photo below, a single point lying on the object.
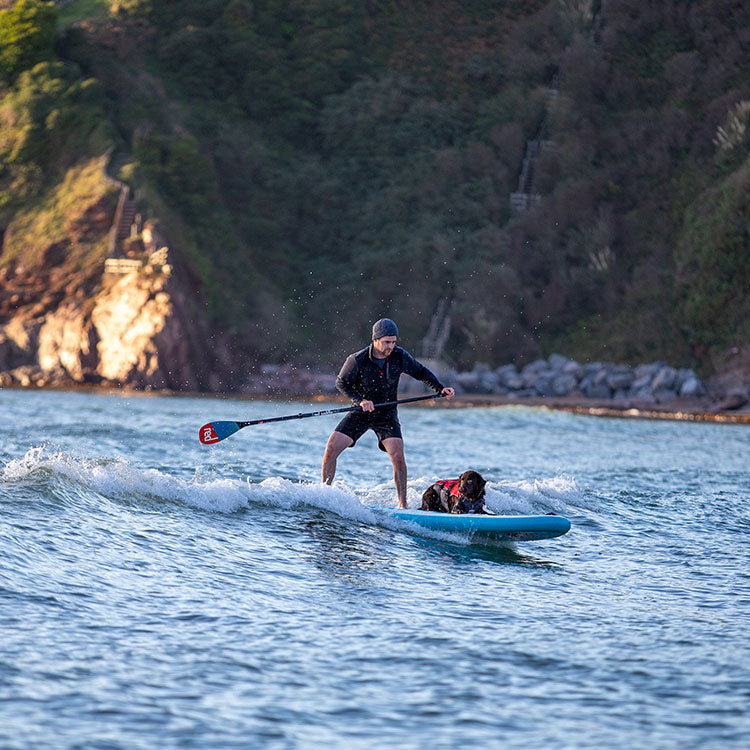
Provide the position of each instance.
(486, 527)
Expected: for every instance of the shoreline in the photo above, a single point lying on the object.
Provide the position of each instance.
(686, 411)
(682, 410)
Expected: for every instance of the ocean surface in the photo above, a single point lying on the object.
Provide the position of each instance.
(157, 593)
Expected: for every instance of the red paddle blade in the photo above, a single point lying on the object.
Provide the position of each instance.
(214, 431)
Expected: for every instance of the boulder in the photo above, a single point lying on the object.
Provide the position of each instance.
(490, 382)
(595, 385)
(514, 384)
(690, 383)
(586, 381)
(557, 361)
(528, 379)
(571, 367)
(665, 379)
(642, 383)
(506, 371)
(564, 384)
(544, 383)
(26, 375)
(620, 377)
(591, 368)
(692, 388)
(469, 382)
(537, 366)
(649, 370)
(509, 377)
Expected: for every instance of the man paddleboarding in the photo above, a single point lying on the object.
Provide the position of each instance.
(369, 376)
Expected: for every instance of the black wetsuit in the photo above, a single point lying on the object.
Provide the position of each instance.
(365, 377)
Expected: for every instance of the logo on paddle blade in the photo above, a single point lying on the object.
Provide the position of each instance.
(208, 434)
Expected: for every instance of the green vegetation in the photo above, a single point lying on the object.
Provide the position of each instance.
(55, 221)
(74, 11)
(51, 118)
(319, 163)
(27, 36)
(713, 273)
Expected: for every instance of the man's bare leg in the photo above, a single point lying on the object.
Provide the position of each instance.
(336, 445)
(395, 449)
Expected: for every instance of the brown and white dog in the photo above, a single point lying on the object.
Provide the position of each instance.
(462, 495)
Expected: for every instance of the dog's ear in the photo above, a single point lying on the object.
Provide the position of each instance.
(481, 481)
(474, 476)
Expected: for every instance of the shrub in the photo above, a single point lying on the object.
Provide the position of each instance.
(713, 263)
(51, 119)
(27, 36)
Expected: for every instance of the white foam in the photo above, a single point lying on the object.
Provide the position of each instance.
(119, 479)
(533, 496)
(116, 478)
(285, 493)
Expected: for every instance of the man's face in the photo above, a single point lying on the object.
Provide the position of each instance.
(384, 345)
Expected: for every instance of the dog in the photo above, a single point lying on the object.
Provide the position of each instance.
(462, 495)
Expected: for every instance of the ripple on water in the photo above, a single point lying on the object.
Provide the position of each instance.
(158, 593)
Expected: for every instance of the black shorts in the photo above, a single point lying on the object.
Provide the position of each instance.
(383, 424)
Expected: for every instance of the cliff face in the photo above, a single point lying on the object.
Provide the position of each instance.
(89, 294)
(136, 330)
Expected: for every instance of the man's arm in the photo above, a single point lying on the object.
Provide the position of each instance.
(346, 379)
(419, 372)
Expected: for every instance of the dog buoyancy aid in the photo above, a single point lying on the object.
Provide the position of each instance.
(449, 487)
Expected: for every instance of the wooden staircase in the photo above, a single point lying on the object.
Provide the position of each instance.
(122, 224)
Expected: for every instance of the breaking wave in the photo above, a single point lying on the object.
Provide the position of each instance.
(116, 479)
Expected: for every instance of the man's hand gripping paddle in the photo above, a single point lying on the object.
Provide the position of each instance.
(213, 432)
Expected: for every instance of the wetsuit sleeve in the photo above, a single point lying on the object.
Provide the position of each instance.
(419, 372)
(347, 378)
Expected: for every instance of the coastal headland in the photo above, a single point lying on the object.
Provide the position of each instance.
(176, 221)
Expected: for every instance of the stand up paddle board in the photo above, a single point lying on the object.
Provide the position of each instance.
(485, 527)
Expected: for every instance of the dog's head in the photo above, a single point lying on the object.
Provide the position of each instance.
(471, 485)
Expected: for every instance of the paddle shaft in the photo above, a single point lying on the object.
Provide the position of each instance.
(336, 411)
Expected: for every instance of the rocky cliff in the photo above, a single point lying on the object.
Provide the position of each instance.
(136, 329)
(68, 315)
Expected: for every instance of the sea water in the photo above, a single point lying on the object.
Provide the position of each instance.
(158, 593)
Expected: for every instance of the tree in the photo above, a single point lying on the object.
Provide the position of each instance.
(27, 36)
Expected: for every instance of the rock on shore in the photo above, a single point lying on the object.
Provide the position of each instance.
(558, 376)
(654, 384)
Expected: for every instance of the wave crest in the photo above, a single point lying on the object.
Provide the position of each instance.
(118, 479)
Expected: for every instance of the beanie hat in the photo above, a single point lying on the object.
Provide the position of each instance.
(384, 327)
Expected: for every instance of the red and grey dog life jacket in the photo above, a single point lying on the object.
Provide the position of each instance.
(447, 488)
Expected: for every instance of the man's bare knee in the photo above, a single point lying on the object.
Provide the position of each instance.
(337, 444)
(395, 449)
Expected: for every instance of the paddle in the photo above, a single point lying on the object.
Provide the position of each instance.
(213, 432)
